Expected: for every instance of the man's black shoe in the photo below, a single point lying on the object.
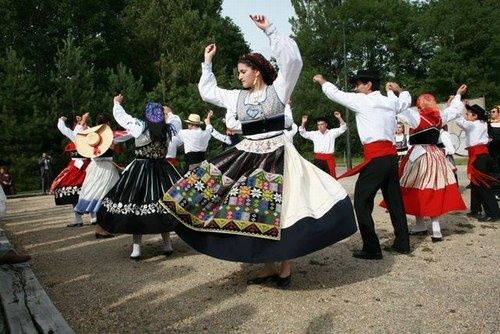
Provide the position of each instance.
(361, 254)
(476, 215)
(393, 249)
(487, 219)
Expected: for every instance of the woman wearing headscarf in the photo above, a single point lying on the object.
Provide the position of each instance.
(259, 201)
(132, 206)
(428, 184)
(67, 185)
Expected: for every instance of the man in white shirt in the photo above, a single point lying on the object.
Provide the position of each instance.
(376, 121)
(176, 123)
(195, 141)
(324, 142)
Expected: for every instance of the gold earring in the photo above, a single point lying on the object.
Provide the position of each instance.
(255, 81)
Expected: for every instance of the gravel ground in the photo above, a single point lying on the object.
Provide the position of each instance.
(446, 287)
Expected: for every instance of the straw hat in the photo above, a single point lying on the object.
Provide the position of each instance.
(94, 141)
(194, 119)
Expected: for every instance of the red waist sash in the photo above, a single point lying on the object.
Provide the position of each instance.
(476, 176)
(371, 151)
(329, 158)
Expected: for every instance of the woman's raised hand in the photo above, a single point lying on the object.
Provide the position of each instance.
(462, 89)
(260, 21)
(210, 51)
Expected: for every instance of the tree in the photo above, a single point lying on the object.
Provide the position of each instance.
(18, 119)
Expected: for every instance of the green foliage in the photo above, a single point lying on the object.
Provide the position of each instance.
(68, 57)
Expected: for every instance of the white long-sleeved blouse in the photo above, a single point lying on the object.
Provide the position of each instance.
(289, 61)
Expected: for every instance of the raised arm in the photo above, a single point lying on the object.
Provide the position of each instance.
(402, 101)
(349, 100)
(207, 86)
(287, 55)
(133, 125)
(343, 125)
(456, 107)
(302, 128)
(61, 125)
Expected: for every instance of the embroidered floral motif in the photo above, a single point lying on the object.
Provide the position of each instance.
(261, 146)
(129, 208)
(67, 191)
(154, 150)
(252, 205)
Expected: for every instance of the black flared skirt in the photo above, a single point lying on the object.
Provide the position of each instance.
(132, 205)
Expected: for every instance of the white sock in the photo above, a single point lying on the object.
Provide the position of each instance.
(419, 224)
(78, 219)
(436, 229)
(93, 217)
(136, 246)
(167, 244)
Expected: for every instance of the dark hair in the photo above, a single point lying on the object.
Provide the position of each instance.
(102, 119)
(258, 62)
(375, 83)
(321, 119)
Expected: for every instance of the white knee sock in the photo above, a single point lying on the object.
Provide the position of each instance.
(167, 244)
(78, 219)
(419, 224)
(136, 246)
(436, 228)
(93, 217)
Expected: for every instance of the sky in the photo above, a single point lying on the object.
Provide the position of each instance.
(277, 12)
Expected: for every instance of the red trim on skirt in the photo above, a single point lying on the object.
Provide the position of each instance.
(70, 176)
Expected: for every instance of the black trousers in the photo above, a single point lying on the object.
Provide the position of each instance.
(481, 195)
(321, 164)
(45, 181)
(380, 173)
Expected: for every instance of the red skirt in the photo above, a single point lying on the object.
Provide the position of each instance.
(66, 186)
(428, 184)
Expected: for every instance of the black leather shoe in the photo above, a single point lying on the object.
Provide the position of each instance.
(262, 280)
(393, 249)
(487, 219)
(361, 254)
(410, 232)
(168, 253)
(476, 215)
(135, 258)
(436, 239)
(283, 282)
(75, 225)
(103, 236)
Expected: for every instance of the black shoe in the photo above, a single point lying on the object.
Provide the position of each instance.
(168, 253)
(262, 280)
(488, 219)
(283, 282)
(436, 239)
(410, 232)
(476, 215)
(93, 223)
(393, 249)
(135, 258)
(361, 254)
(103, 236)
(75, 225)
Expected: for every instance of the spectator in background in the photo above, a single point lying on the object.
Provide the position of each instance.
(494, 146)
(401, 140)
(45, 164)
(7, 181)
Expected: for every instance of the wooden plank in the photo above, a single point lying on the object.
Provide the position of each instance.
(26, 306)
(12, 296)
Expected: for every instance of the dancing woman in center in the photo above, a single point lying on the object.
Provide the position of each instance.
(259, 201)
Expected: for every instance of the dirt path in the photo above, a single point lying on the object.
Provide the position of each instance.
(446, 287)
